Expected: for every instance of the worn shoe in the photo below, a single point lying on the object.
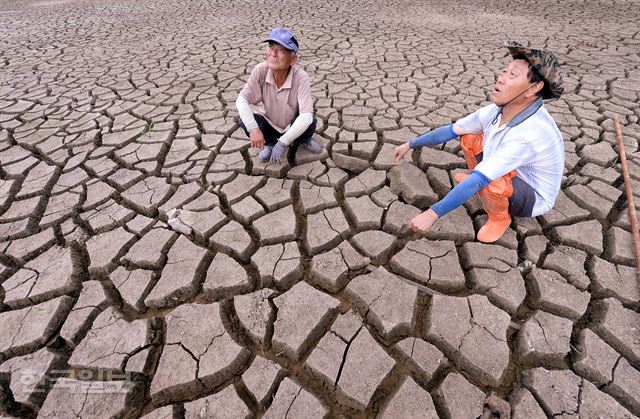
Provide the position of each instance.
(312, 146)
(265, 154)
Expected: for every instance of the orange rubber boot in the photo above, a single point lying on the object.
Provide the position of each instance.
(495, 200)
(471, 145)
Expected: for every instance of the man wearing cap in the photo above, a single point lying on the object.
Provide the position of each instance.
(513, 147)
(283, 92)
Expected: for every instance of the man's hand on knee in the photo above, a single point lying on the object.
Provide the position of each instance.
(257, 138)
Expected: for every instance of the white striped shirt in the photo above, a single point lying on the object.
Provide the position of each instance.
(533, 147)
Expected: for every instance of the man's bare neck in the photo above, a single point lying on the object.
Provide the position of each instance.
(280, 76)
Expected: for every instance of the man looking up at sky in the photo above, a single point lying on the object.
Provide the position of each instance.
(513, 147)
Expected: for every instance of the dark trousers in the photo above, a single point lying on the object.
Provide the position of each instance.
(271, 135)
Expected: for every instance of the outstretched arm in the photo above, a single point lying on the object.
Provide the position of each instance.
(431, 138)
(456, 197)
(435, 137)
(460, 193)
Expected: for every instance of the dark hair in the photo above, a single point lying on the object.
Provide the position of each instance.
(534, 77)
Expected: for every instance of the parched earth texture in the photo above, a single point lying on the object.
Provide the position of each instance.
(297, 290)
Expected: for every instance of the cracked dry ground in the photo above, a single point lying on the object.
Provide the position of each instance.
(300, 292)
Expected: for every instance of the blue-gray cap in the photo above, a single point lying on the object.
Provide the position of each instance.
(283, 37)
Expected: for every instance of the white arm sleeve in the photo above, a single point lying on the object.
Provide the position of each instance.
(298, 127)
(246, 114)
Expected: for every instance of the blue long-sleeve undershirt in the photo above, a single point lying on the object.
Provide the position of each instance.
(437, 136)
(463, 191)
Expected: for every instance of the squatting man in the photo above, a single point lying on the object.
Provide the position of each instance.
(282, 90)
(513, 147)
